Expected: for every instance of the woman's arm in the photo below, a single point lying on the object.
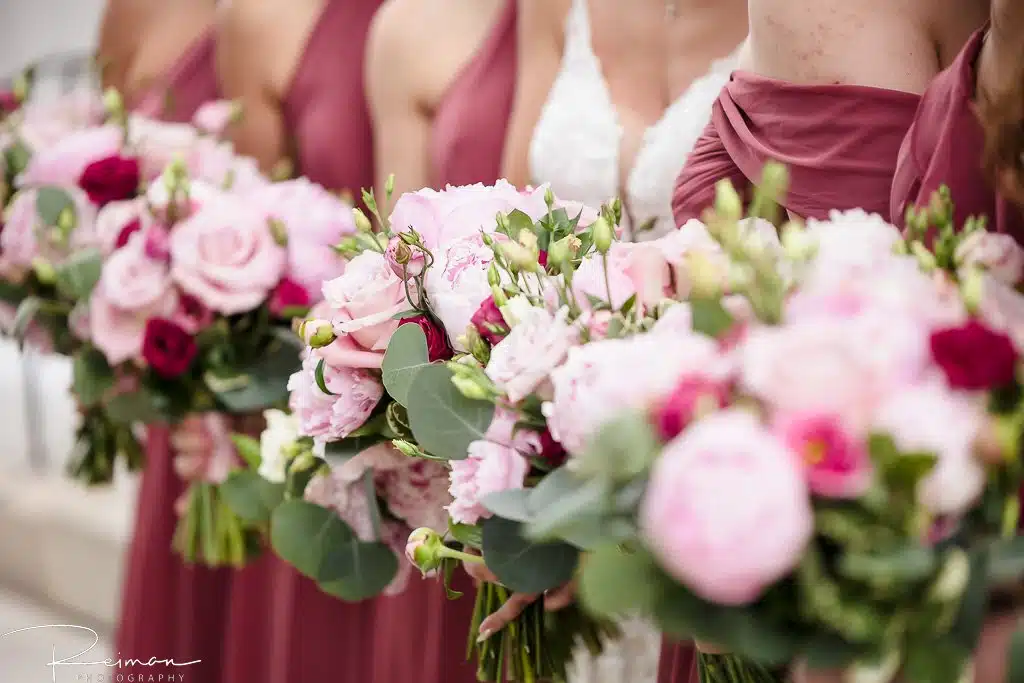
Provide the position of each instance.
(1000, 93)
(540, 37)
(395, 77)
(247, 43)
(120, 27)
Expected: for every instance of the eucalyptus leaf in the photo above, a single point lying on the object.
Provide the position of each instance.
(469, 535)
(266, 380)
(368, 569)
(513, 504)
(51, 202)
(339, 452)
(78, 275)
(406, 355)
(710, 317)
(583, 502)
(615, 582)
(443, 421)
(251, 497)
(900, 565)
(302, 534)
(27, 311)
(92, 376)
(621, 450)
(522, 565)
(248, 449)
(138, 406)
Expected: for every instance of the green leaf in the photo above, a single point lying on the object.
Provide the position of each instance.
(518, 221)
(266, 382)
(368, 568)
(301, 533)
(28, 309)
(252, 497)
(513, 504)
(907, 564)
(318, 375)
(524, 566)
(621, 450)
(91, 376)
(443, 421)
(576, 502)
(137, 406)
(338, 452)
(710, 317)
(615, 582)
(936, 661)
(827, 651)
(78, 275)
(469, 535)
(17, 156)
(1007, 558)
(1015, 657)
(51, 201)
(405, 357)
(248, 449)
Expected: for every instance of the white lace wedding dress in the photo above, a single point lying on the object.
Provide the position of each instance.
(575, 148)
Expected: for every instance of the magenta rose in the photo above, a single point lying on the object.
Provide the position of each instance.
(693, 397)
(132, 289)
(834, 459)
(225, 255)
(489, 322)
(66, 161)
(974, 357)
(168, 349)
(192, 316)
(437, 341)
(110, 179)
(288, 296)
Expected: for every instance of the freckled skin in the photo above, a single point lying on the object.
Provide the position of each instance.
(898, 44)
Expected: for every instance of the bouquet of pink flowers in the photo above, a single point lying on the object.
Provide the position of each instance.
(797, 450)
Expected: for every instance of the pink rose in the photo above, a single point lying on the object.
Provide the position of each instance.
(132, 289)
(213, 118)
(999, 254)
(225, 255)
(64, 163)
(521, 363)
(158, 143)
(315, 221)
(158, 198)
(330, 417)
(489, 322)
(488, 468)
(727, 510)
(365, 300)
(836, 462)
(456, 284)
(23, 239)
(932, 418)
(117, 221)
(603, 379)
(840, 366)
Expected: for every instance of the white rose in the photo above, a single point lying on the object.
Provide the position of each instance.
(282, 431)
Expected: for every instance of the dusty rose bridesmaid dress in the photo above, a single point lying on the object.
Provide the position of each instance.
(421, 634)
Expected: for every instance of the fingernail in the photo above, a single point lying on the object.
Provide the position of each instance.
(484, 635)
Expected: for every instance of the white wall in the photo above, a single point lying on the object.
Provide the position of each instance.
(30, 29)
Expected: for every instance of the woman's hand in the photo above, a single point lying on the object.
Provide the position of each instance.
(554, 600)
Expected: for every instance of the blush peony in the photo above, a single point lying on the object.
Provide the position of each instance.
(330, 417)
(488, 468)
(727, 511)
(521, 363)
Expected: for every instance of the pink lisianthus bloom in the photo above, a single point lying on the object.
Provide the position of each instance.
(354, 393)
(589, 279)
(932, 418)
(835, 461)
(521, 363)
(603, 379)
(727, 510)
(132, 289)
(456, 285)
(364, 301)
(23, 239)
(225, 255)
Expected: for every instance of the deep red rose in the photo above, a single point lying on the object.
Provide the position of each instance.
(126, 232)
(974, 357)
(437, 341)
(489, 322)
(288, 295)
(110, 179)
(8, 101)
(551, 451)
(685, 404)
(542, 258)
(168, 348)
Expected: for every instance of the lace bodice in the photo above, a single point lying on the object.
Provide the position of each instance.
(576, 142)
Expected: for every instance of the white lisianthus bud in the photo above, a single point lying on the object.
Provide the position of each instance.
(925, 258)
(797, 243)
(603, 235)
(362, 222)
(317, 333)
(972, 287)
(516, 309)
(520, 257)
(728, 205)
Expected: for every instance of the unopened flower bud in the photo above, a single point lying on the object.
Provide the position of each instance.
(797, 242)
(406, 448)
(303, 462)
(925, 258)
(44, 270)
(317, 333)
(603, 235)
(774, 180)
(549, 197)
(113, 103)
(528, 239)
(560, 252)
(66, 220)
(493, 276)
(21, 87)
(279, 231)
(616, 209)
(348, 247)
(389, 185)
(705, 277)
(362, 222)
(972, 288)
(520, 257)
(424, 549)
(471, 389)
(499, 296)
(953, 577)
(502, 222)
(728, 205)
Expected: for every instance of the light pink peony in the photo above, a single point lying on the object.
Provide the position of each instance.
(225, 255)
(853, 239)
(23, 239)
(727, 511)
(315, 221)
(456, 285)
(64, 162)
(330, 417)
(132, 289)
(601, 380)
(503, 431)
(933, 418)
(521, 363)
(459, 212)
(589, 279)
(488, 468)
(836, 462)
(116, 220)
(364, 301)
(999, 254)
(418, 493)
(841, 366)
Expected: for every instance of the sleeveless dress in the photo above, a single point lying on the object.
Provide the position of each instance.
(575, 145)
(575, 148)
(425, 632)
(168, 609)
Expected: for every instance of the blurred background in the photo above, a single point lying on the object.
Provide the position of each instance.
(61, 547)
